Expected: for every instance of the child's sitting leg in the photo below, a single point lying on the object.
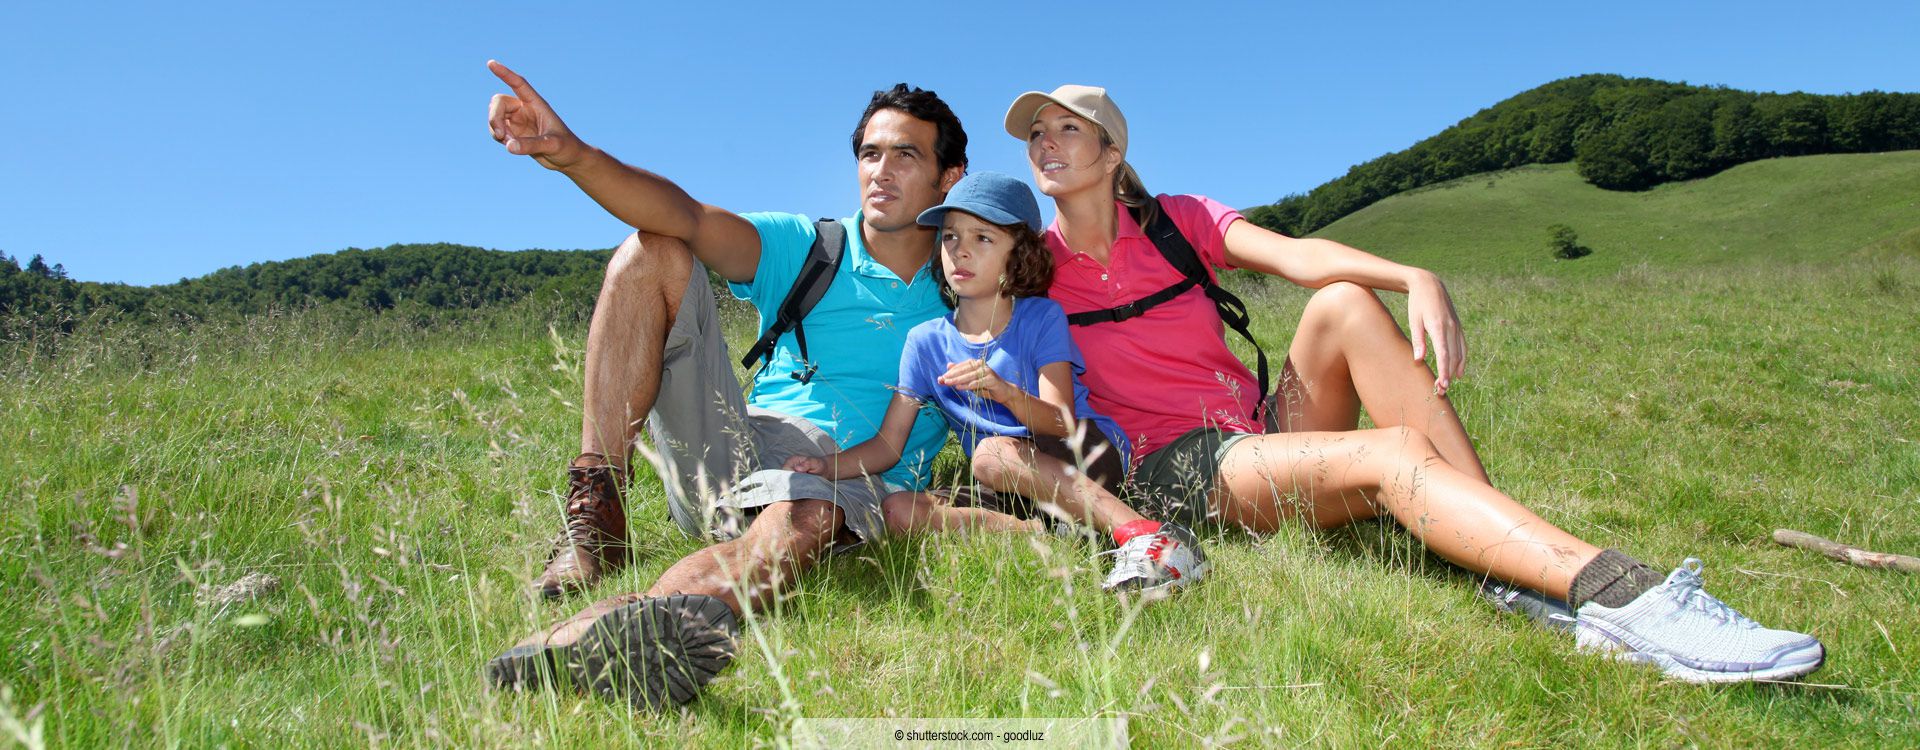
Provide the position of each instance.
(1151, 554)
(917, 512)
(1021, 466)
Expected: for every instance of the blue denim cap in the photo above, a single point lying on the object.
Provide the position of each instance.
(993, 196)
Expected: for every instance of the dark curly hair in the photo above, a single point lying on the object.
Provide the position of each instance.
(1029, 266)
(949, 140)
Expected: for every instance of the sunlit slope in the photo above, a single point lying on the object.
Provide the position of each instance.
(1837, 207)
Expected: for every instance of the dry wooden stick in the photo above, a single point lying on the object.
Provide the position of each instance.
(1847, 553)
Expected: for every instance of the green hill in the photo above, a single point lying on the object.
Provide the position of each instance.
(1621, 134)
(1797, 210)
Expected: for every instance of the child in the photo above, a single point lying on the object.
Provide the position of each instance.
(1001, 368)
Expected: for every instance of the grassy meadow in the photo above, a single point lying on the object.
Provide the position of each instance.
(1737, 356)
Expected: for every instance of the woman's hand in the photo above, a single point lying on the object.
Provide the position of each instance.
(1430, 316)
(1314, 262)
(807, 465)
(974, 375)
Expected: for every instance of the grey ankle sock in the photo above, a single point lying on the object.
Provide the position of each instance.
(1612, 580)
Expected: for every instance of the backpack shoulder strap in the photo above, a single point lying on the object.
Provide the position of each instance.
(1173, 245)
(816, 274)
(1180, 254)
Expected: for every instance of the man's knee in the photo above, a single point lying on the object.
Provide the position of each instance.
(797, 524)
(649, 260)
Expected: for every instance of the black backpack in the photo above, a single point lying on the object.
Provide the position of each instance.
(816, 274)
(1180, 254)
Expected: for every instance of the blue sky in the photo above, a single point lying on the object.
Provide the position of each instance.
(149, 142)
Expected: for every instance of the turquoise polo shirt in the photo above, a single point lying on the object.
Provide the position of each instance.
(854, 335)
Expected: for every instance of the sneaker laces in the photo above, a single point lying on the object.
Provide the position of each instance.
(1686, 582)
(1138, 558)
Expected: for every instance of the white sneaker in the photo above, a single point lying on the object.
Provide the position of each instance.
(1158, 562)
(1694, 637)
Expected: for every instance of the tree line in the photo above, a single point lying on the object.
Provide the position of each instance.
(1621, 134)
(430, 276)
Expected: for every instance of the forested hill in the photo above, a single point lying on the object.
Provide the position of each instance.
(1621, 134)
(404, 276)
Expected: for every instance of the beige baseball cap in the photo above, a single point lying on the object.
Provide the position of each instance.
(1090, 102)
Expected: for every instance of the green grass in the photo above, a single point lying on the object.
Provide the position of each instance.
(399, 478)
(1815, 209)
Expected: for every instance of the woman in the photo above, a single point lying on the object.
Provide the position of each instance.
(1190, 405)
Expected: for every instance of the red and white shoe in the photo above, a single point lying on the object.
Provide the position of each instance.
(1157, 561)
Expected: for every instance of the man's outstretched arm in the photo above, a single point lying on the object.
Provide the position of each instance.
(528, 126)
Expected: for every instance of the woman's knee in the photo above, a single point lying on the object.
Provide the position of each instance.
(1406, 443)
(1343, 304)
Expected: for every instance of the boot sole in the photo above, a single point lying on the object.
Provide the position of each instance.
(654, 650)
(525, 667)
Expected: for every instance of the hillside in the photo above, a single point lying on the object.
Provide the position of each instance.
(1795, 210)
(401, 480)
(1620, 134)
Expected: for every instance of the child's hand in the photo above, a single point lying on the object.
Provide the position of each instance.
(807, 465)
(974, 375)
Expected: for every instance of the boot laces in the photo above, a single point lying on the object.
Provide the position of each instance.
(587, 501)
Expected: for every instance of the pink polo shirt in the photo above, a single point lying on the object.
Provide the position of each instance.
(1168, 371)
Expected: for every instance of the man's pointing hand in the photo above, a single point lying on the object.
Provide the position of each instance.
(528, 126)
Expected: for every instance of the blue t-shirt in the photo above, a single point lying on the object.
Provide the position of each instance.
(1035, 336)
(854, 336)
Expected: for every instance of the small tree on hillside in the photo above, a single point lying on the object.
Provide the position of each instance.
(1565, 244)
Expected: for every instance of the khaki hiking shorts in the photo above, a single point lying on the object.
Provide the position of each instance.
(718, 457)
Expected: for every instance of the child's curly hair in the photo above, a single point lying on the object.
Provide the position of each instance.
(1029, 266)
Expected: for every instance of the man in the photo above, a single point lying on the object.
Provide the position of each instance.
(654, 352)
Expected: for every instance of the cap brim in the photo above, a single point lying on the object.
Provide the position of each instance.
(1020, 115)
(933, 217)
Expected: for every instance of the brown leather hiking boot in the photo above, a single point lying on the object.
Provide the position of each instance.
(595, 542)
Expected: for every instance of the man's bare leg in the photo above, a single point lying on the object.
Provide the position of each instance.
(783, 541)
(666, 643)
(642, 290)
(627, 339)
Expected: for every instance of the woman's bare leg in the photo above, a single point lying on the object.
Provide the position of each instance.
(1333, 478)
(918, 512)
(1347, 353)
(1012, 465)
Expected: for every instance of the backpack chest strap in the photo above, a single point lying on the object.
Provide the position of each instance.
(1180, 254)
